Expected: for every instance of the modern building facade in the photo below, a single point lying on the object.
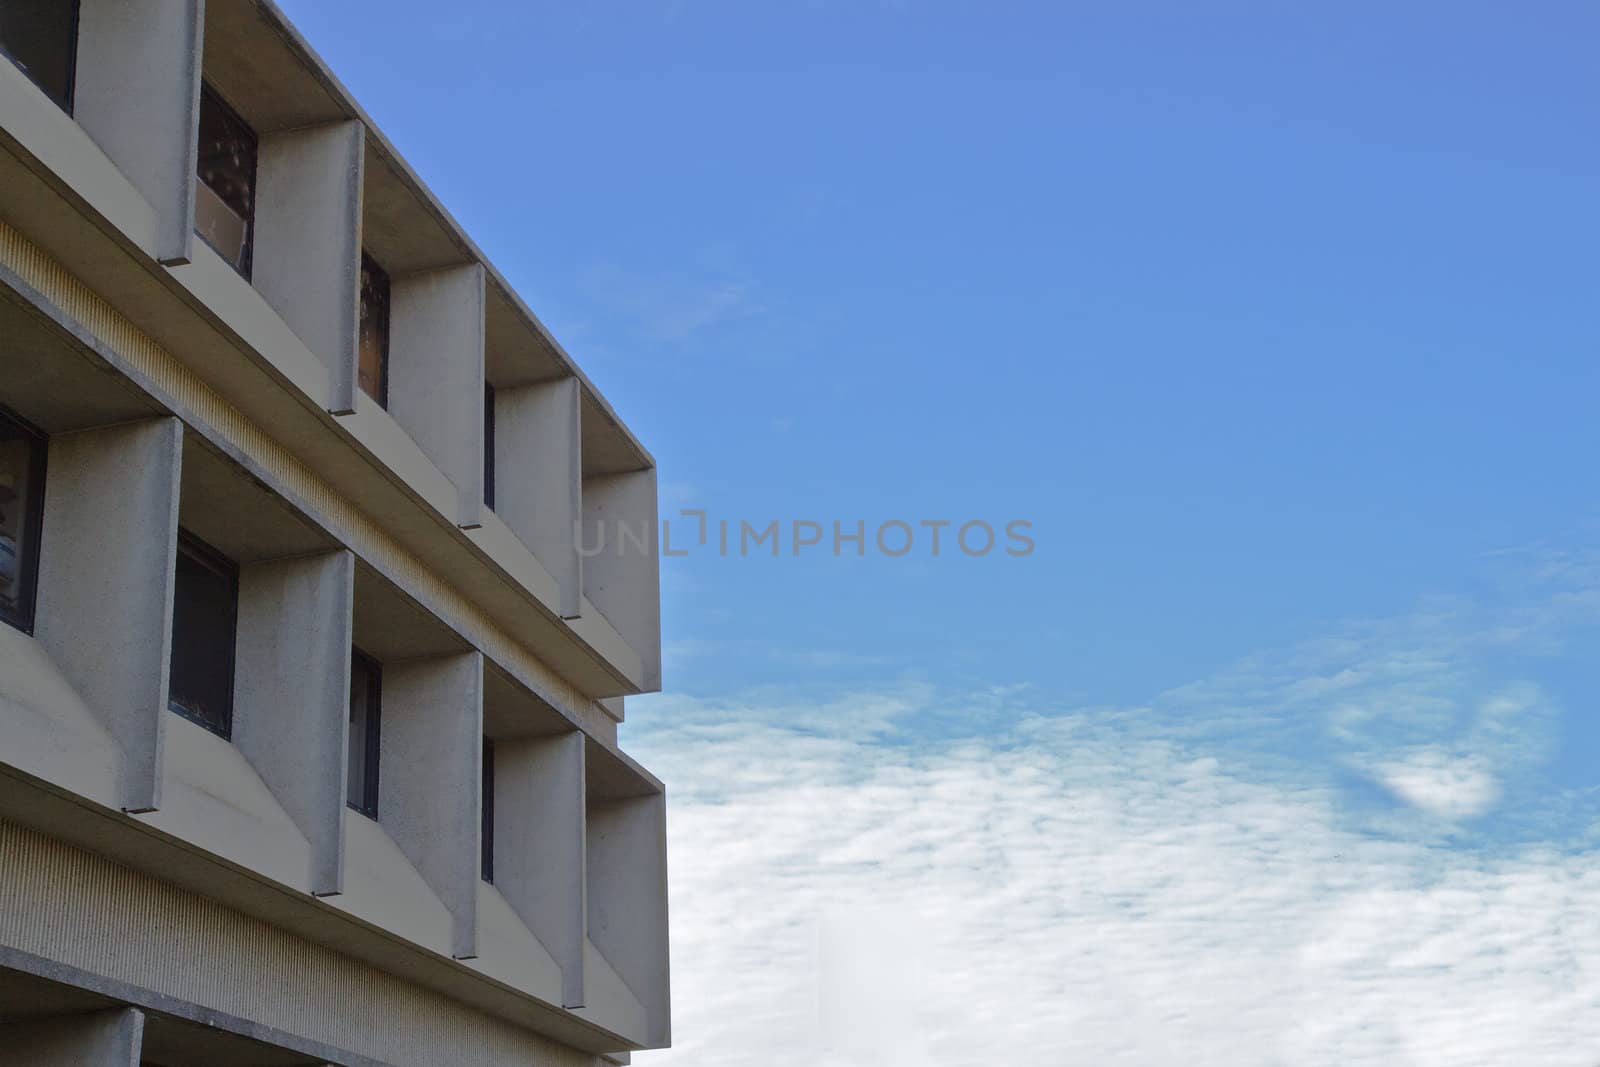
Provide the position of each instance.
(309, 693)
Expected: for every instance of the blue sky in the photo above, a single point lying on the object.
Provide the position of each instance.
(1276, 322)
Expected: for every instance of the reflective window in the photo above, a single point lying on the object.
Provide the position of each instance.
(41, 37)
(225, 195)
(372, 372)
(205, 605)
(361, 786)
(22, 453)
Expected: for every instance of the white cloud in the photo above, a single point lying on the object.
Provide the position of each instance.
(1442, 784)
(906, 876)
(1071, 893)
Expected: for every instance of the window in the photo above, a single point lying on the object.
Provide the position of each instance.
(372, 368)
(487, 804)
(366, 689)
(205, 605)
(22, 451)
(225, 196)
(488, 446)
(41, 38)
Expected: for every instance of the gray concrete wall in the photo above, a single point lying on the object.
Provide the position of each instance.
(623, 580)
(307, 259)
(109, 1038)
(539, 845)
(292, 694)
(627, 890)
(137, 94)
(436, 327)
(538, 477)
(430, 772)
(105, 583)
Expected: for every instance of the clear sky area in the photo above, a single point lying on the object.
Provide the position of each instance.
(1269, 732)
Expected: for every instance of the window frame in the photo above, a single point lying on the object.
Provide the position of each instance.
(32, 525)
(213, 560)
(369, 264)
(372, 742)
(70, 100)
(486, 813)
(246, 264)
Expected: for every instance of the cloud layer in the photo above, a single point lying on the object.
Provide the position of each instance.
(1281, 865)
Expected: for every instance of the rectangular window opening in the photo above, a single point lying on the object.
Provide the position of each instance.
(225, 195)
(366, 708)
(205, 610)
(41, 38)
(488, 446)
(372, 368)
(22, 459)
(488, 811)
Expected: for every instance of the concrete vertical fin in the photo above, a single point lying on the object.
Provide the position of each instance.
(137, 94)
(436, 339)
(307, 250)
(538, 468)
(431, 767)
(292, 694)
(539, 855)
(110, 1038)
(106, 571)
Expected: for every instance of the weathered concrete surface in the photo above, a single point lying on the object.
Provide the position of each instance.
(431, 767)
(99, 1039)
(539, 853)
(105, 583)
(138, 95)
(627, 881)
(292, 694)
(623, 577)
(307, 258)
(537, 466)
(436, 373)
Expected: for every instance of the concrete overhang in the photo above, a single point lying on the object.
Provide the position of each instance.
(63, 195)
(40, 805)
(269, 72)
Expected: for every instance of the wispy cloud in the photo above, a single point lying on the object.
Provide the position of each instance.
(1189, 881)
(672, 306)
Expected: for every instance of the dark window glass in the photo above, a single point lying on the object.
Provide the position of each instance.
(487, 804)
(372, 370)
(488, 446)
(22, 451)
(225, 195)
(41, 37)
(366, 707)
(204, 610)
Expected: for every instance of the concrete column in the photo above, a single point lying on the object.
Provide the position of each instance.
(111, 1038)
(436, 331)
(292, 694)
(105, 583)
(627, 885)
(137, 94)
(307, 258)
(621, 572)
(431, 766)
(539, 845)
(538, 474)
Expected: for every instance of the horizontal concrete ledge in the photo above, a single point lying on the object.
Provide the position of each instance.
(37, 805)
(324, 447)
(153, 1003)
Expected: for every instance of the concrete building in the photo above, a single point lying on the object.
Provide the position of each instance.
(308, 698)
